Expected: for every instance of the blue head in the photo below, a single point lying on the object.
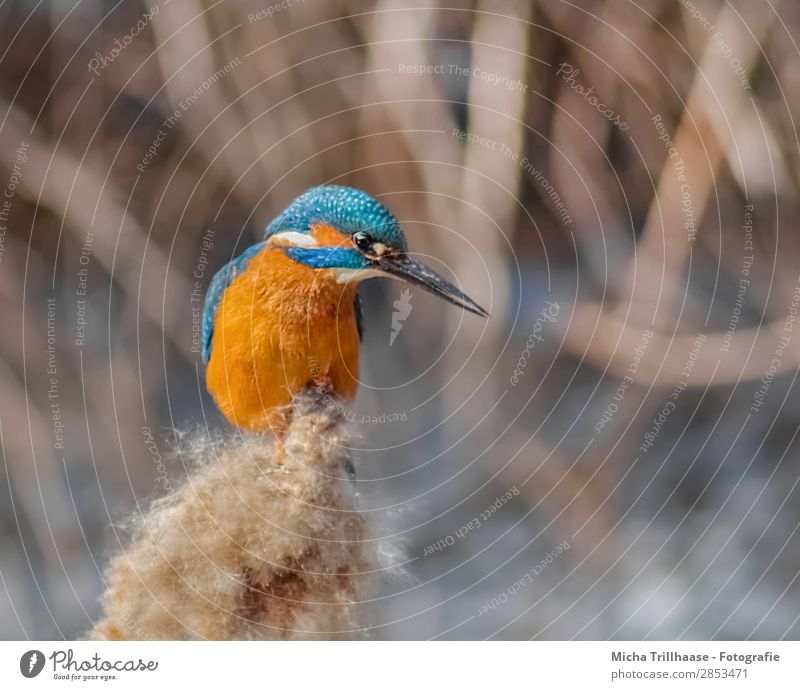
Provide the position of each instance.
(343, 231)
(346, 231)
(346, 209)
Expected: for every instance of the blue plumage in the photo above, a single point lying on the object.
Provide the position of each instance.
(344, 208)
(217, 287)
(349, 237)
(327, 257)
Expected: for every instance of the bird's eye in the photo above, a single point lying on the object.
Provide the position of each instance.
(362, 240)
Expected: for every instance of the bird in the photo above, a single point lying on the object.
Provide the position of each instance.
(285, 313)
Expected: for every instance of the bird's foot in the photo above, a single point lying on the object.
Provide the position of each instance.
(323, 384)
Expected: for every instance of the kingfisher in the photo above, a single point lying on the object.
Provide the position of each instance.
(285, 313)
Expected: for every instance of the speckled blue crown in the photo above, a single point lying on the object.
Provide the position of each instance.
(344, 208)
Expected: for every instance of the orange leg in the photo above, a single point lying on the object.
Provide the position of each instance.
(324, 384)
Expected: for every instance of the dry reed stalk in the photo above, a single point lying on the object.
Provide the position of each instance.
(247, 550)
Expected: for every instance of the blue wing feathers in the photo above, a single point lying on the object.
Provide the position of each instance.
(216, 288)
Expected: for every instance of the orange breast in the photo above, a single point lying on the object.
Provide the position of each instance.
(279, 327)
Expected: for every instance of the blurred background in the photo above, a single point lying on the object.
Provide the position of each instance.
(612, 455)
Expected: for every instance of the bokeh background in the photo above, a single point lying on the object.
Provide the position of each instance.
(612, 455)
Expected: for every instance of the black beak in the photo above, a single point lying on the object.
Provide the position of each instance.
(414, 272)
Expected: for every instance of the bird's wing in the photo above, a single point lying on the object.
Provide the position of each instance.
(359, 316)
(216, 288)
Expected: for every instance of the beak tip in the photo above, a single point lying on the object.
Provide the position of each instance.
(472, 306)
(414, 272)
(477, 310)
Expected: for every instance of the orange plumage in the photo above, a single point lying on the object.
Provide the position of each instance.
(279, 327)
(282, 315)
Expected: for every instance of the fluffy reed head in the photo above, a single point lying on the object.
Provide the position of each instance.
(245, 549)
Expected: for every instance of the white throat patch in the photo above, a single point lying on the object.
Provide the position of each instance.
(294, 239)
(348, 275)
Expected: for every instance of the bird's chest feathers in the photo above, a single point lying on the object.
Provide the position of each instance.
(281, 308)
